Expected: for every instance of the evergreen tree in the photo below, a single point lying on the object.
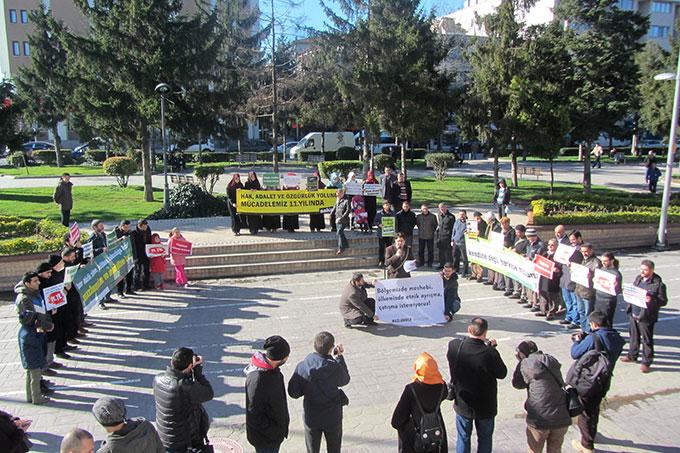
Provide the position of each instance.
(11, 133)
(656, 96)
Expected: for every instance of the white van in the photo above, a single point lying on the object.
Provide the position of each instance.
(333, 142)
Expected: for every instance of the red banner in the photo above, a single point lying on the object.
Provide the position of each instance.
(180, 247)
(543, 266)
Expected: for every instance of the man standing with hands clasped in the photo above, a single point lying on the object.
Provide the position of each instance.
(64, 198)
(317, 379)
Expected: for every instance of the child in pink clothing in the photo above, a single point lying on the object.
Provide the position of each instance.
(178, 260)
(157, 264)
(359, 213)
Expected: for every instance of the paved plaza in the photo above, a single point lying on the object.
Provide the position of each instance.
(226, 320)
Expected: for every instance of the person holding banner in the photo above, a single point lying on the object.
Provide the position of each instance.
(157, 266)
(492, 226)
(535, 247)
(396, 256)
(371, 205)
(356, 307)
(341, 212)
(234, 185)
(127, 283)
(585, 295)
(443, 234)
(549, 288)
(317, 221)
(100, 245)
(451, 297)
(44, 272)
(503, 282)
(141, 237)
(477, 270)
(254, 221)
(384, 241)
(561, 236)
(641, 320)
(607, 295)
(178, 260)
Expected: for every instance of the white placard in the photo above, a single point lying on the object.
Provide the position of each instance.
(69, 273)
(496, 239)
(412, 301)
(372, 190)
(563, 253)
(54, 296)
(291, 180)
(634, 295)
(88, 250)
(410, 265)
(580, 274)
(353, 188)
(605, 282)
(472, 226)
(154, 250)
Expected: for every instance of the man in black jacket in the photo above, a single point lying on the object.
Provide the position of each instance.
(179, 393)
(141, 236)
(126, 284)
(64, 198)
(442, 237)
(100, 244)
(642, 320)
(475, 365)
(317, 379)
(406, 222)
(267, 416)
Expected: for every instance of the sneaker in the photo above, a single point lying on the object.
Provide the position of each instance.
(42, 400)
(572, 327)
(515, 296)
(122, 296)
(103, 306)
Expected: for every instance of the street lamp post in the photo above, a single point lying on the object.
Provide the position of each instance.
(662, 236)
(163, 89)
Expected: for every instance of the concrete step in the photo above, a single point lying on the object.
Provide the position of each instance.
(268, 246)
(269, 256)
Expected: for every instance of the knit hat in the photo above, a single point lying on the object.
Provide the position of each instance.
(531, 232)
(527, 347)
(521, 228)
(276, 348)
(427, 370)
(109, 411)
(43, 267)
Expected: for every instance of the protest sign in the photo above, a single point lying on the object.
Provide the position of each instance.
(111, 237)
(634, 295)
(54, 296)
(291, 180)
(496, 239)
(69, 273)
(544, 266)
(312, 183)
(413, 301)
(481, 251)
(605, 282)
(284, 201)
(580, 274)
(100, 276)
(563, 253)
(270, 180)
(472, 226)
(74, 233)
(154, 250)
(388, 227)
(372, 190)
(180, 247)
(353, 188)
(88, 250)
(410, 265)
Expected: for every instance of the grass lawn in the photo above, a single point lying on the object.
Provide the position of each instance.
(50, 170)
(104, 202)
(457, 190)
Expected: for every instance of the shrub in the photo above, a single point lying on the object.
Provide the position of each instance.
(17, 159)
(122, 168)
(98, 155)
(380, 161)
(329, 155)
(188, 201)
(49, 157)
(50, 229)
(34, 244)
(347, 153)
(548, 212)
(208, 157)
(342, 167)
(440, 162)
(15, 227)
(208, 175)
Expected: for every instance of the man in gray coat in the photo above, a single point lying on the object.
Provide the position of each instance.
(125, 435)
(547, 417)
(64, 198)
(355, 306)
(427, 225)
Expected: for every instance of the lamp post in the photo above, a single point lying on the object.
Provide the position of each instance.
(662, 236)
(163, 89)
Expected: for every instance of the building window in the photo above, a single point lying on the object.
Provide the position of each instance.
(628, 5)
(26, 49)
(24, 16)
(13, 16)
(656, 31)
(661, 7)
(16, 50)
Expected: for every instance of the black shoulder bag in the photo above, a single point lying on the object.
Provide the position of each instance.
(574, 406)
(451, 387)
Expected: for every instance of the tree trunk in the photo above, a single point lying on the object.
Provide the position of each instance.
(146, 163)
(323, 140)
(413, 151)
(200, 150)
(552, 175)
(513, 160)
(403, 157)
(586, 170)
(57, 144)
(495, 165)
(366, 156)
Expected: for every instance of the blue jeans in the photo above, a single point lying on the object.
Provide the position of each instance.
(585, 307)
(572, 306)
(484, 429)
(342, 239)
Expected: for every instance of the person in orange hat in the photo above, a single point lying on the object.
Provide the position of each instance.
(417, 417)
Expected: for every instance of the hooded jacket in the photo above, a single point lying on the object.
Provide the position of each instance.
(317, 379)
(267, 416)
(546, 401)
(136, 435)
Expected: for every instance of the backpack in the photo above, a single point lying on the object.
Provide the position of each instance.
(429, 430)
(591, 374)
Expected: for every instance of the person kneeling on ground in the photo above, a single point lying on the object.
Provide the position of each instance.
(451, 298)
(124, 435)
(355, 305)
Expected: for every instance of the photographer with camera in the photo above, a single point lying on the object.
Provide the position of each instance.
(179, 393)
(317, 379)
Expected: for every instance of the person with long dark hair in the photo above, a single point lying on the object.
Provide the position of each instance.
(317, 221)
(253, 221)
(232, 188)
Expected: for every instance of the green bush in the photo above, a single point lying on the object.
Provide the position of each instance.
(28, 245)
(99, 155)
(440, 162)
(342, 167)
(267, 156)
(17, 227)
(380, 161)
(17, 159)
(547, 212)
(49, 157)
(122, 168)
(347, 153)
(329, 155)
(209, 157)
(31, 236)
(188, 201)
(50, 229)
(208, 175)
(415, 153)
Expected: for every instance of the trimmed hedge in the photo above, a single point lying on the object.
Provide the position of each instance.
(329, 155)
(548, 212)
(49, 157)
(342, 167)
(17, 159)
(45, 236)
(12, 227)
(28, 245)
(122, 168)
(99, 155)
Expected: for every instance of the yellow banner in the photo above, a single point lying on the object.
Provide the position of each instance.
(284, 201)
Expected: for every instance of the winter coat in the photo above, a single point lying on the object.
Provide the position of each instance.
(267, 416)
(63, 195)
(443, 234)
(32, 315)
(378, 220)
(565, 280)
(653, 174)
(520, 246)
(451, 297)
(388, 186)
(157, 264)
(657, 291)
(481, 229)
(181, 420)
(140, 239)
(317, 379)
(395, 263)
(474, 369)
(12, 438)
(508, 238)
(492, 226)
(406, 222)
(458, 232)
(551, 285)
(406, 414)
(427, 225)
(403, 191)
(610, 340)
(353, 302)
(546, 401)
(99, 243)
(588, 293)
(176, 260)
(135, 436)
(341, 211)
(537, 248)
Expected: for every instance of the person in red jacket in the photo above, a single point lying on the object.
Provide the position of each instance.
(157, 266)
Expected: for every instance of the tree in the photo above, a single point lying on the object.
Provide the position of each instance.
(602, 41)
(656, 96)
(44, 85)
(11, 133)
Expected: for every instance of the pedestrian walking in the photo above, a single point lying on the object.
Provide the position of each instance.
(652, 176)
(124, 435)
(177, 260)
(427, 226)
(597, 154)
(341, 211)
(63, 196)
(317, 379)
(475, 367)
(267, 416)
(606, 302)
(547, 416)
(641, 321)
(417, 417)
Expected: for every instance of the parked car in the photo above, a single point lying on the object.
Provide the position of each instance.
(95, 143)
(289, 146)
(29, 147)
(651, 143)
(208, 147)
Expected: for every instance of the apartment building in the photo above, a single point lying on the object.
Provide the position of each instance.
(662, 15)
